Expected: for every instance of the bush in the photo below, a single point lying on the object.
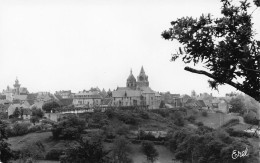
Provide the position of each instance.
(200, 124)
(162, 112)
(54, 154)
(69, 128)
(191, 118)
(20, 129)
(178, 119)
(35, 128)
(251, 118)
(238, 133)
(204, 113)
(144, 115)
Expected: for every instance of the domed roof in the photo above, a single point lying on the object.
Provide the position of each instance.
(131, 77)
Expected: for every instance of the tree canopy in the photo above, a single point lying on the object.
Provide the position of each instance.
(225, 46)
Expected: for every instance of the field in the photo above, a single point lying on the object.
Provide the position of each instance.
(215, 120)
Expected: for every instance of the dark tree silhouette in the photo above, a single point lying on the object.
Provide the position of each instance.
(5, 151)
(225, 46)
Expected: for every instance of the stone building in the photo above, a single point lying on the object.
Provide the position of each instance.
(17, 91)
(87, 99)
(136, 93)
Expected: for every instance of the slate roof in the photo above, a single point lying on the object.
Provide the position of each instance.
(126, 93)
(66, 102)
(147, 90)
(26, 111)
(201, 103)
(20, 97)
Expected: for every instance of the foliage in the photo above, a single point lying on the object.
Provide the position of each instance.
(20, 129)
(86, 151)
(37, 112)
(54, 154)
(225, 46)
(17, 112)
(149, 151)
(34, 119)
(121, 149)
(162, 104)
(191, 118)
(69, 128)
(238, 133)
(237, 106)
(47, 107)
(251, 118)
(204, 113)
(207, 145)
(5, 151)
(31, 152)
(122, 130)
(162, 112)
(178, 118)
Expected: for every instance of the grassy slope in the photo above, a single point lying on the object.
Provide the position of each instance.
(214, 120)
(19, 142)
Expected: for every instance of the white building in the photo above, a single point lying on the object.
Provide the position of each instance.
(87, 99)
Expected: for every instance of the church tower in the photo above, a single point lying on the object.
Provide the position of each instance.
(142, 79)
(17, 87)
(131, 81)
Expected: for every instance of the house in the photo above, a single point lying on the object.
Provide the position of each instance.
(4, 108)
(12, 108)
(64, 94)
(26, 113)
(220, 105)
(87, 98)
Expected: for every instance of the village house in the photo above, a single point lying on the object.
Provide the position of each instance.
(87, 99)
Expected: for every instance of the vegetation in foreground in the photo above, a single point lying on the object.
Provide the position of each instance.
(74, 138)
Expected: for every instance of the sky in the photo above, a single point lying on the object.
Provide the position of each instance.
(52, 45)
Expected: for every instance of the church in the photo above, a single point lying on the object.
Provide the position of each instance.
(136, 93)
(16, 92)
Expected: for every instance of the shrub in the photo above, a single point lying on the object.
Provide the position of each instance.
(238, 133)
(191, 118)
(178, 119)
(20, 129)
(35, 128)
(69, 128)
(251, 118)
(144, 115)
(204, 113)
(200, 124)
(54, 154)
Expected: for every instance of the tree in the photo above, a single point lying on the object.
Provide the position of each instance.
(121, 149)
(224, 46)
(50, 106)
(237, 106)
(86, 151)
(69, 128)
(5, 151)
(37, 112)
(34, 119)
(149, 150)
(162, 104)
(17, 112)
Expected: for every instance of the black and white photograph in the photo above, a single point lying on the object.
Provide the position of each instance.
(129, 81)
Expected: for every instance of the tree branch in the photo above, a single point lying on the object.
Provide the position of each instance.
(237, 86)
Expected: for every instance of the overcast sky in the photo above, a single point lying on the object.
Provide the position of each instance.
(53, 45)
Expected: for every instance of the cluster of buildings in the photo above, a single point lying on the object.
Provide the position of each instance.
(137, 92)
